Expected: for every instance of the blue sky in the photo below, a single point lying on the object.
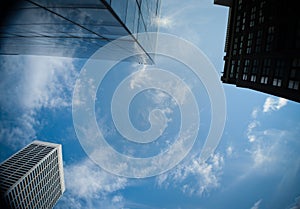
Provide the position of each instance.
(256, 165)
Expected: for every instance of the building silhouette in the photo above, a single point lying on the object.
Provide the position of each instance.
(33, 177)
(76, 28)
(262, 50)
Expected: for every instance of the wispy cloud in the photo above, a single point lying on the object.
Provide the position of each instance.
(296, 204)
(18, 132)
(257, 204)
(265, 150)
(274, 104)
(164, 22)
(88, 186)
(194, 177)
(265, 142)
(251, 134)
(175, 87)
(175, 20)
(29, 83)
(229, 151)
(255, 112)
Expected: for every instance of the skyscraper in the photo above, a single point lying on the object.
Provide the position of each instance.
(33, 177)
(263, 46)
(76, 28)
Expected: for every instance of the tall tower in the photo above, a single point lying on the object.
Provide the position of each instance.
(33, 177)
(263, 46)
(77, 28)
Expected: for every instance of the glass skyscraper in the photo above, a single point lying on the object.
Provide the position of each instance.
(33, 177)
(76, 28)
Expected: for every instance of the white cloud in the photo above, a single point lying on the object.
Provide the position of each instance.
(29, 83)
(45, 82)
(88, 186)
(194, 177)
(164, 22)
(255, 112)
(264, 151)
(273, 104)
(261, 155)
(296, 205)
(87, 180)
(19, 132)
(139, 77)
(229, 151)
(251, 135)
(175, 87)
(257, 204)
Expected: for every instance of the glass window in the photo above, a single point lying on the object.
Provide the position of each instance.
(232, 69)
(277, 82)
(252, 16)
(120, 8)
(293, 84)
(264, 80)
(130, 15)
(253, 78)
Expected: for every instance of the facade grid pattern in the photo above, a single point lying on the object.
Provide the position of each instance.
(262, 47)
(52, 28)
(33, 177)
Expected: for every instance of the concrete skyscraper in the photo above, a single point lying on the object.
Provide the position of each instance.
(263, 46)
(33, 177)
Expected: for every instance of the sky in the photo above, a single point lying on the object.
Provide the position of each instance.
(255, 165)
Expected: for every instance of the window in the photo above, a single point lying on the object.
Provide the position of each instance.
(270, 38)
(246, 69)
(258, 41)
(232, 69)
(252, 16)
(294, 76)
(241, 44)
(237, 69)
(277, 82)
(278, 72)
(261, 17)
(235, 46)
(244, 21)
(238, 23)
(240, 5)
(265, 71)
(249, 43)
(293, 84)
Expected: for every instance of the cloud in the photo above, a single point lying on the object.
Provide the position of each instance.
(229, 151)
(296, 204)
(164, 22)
(28, 84)
(173, 86)
(265, 142)
(194, 177)
(18, 132)
(88, 186)
(265, 149)
(273, 104)
(251, 134)
(255, 112)
(257, 204)
(175, 20)
(47, 82)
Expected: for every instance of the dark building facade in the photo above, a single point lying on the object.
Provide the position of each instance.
(75, 28)
(262, 50)
(33, 177)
